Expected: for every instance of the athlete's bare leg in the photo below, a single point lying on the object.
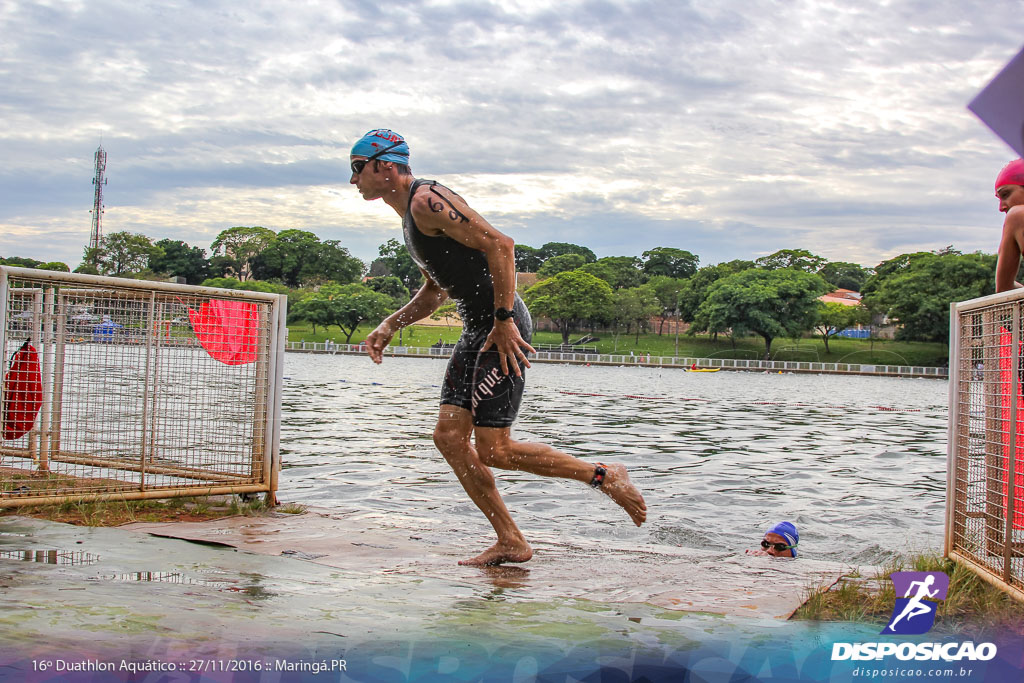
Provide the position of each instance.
(452, 437)
(497, 449)
(494, 448)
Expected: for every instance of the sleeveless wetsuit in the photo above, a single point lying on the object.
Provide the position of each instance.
(474, 380)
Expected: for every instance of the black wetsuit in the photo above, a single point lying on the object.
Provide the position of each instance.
(474, 380)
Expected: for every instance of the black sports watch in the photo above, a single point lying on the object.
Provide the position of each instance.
(503, 313)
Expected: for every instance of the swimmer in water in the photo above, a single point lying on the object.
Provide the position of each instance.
(779, 541)
(462, 256)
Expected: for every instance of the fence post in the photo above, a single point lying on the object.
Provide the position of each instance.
(953, 449)
(4, 309)
(272, 457)
(34, 445)
(994, 436)
(1011, 454)
(147, 322)
(46, 354)
(57, 394)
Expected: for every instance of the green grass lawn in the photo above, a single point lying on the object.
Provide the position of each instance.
(701, 346)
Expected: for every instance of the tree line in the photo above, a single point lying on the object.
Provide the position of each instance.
(772, 296)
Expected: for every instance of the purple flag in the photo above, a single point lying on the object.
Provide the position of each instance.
(1001, 104)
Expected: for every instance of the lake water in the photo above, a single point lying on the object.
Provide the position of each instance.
(857, 463)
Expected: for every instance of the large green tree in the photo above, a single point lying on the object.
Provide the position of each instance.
(391, 286)
(24, 262)
(298, 257)
(343, 305)
(528, 259)
(561, 264)
(633, 307)
(20, 261)
(237, 247)
(287, 257)
(769, 303)
(122, 253)
(799, 259)
(178, 259)
(250, 286)
(336, 264)
(834, 317)
(618, 271)
(448, 312)
(668, 291)
(915, 290)
(396, 260)
(670, 262)
(552, 249)
(844, 275)
(698, 284)
(887, 269)
(570, 298)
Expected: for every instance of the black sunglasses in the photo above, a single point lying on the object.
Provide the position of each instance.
(358, 165)
(778, 546)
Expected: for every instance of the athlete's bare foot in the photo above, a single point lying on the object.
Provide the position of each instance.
(499, 553)
(620, 489)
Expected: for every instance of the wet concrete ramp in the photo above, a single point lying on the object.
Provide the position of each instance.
(669, 577)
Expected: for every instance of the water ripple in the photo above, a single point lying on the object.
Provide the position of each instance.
(858, 463)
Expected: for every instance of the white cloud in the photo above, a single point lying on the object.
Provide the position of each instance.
(731, 129)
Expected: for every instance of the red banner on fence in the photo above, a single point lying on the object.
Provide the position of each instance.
(23, 392)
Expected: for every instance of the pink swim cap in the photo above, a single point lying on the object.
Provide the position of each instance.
(1012, 174)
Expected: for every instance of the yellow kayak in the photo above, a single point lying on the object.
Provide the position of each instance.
(703, 369)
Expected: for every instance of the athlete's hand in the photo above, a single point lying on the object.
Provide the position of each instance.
(509, 344)
(378, 340)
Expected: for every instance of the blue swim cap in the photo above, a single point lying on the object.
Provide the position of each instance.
(382, 144)
(788, 531)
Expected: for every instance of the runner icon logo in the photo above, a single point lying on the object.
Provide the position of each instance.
(914, 613)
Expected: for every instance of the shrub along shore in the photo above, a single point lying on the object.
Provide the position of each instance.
(972, 607)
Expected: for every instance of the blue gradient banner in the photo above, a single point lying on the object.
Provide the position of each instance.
(804, 653)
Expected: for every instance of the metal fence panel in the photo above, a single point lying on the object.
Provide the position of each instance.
(144, 389)
(985, 483)
(618, 359)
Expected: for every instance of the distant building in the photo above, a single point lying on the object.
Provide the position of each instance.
(524, 281)
(846, 297)
(880, 327)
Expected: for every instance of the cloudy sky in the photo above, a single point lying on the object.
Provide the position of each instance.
(728, 128)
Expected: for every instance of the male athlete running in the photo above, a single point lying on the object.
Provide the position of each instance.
(463, 257)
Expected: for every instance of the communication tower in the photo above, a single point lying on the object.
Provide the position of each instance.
(97, 205)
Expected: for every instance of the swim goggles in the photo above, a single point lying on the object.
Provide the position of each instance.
(778, 546)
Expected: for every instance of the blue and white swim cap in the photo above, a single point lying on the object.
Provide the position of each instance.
(788, 531)
(382, 144)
